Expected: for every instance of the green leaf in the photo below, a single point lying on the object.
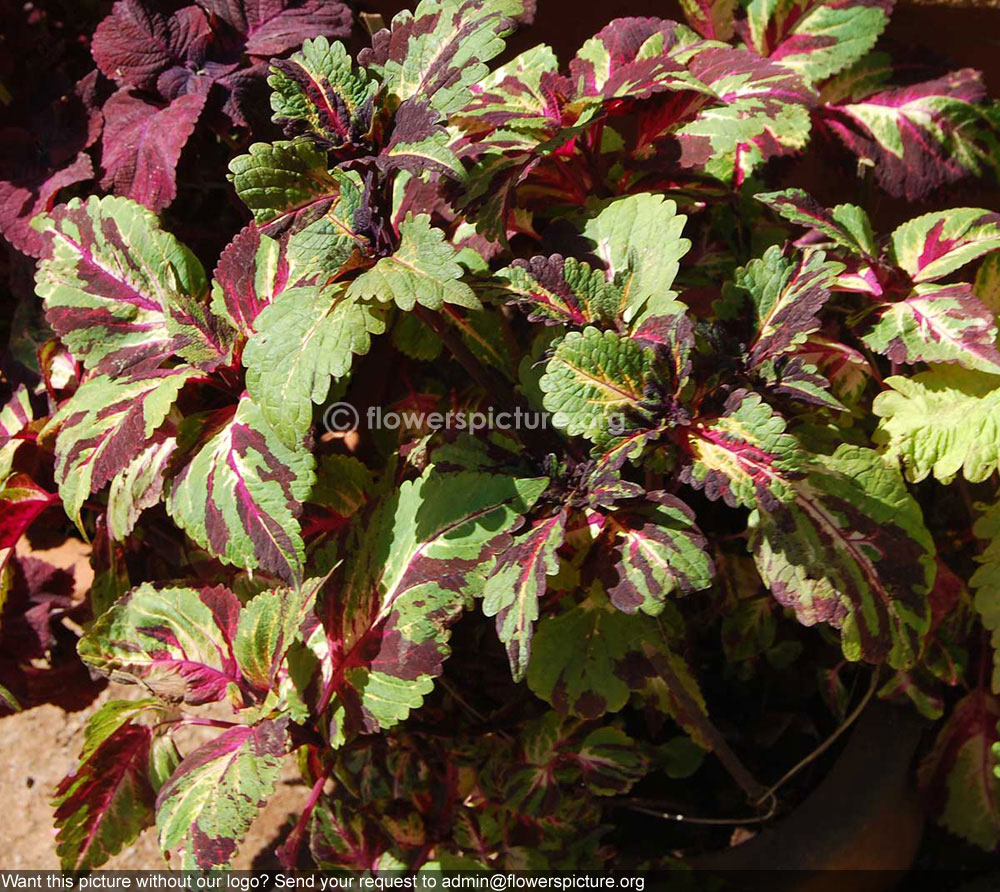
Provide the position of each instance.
(596, 385)
(936, 244)
(121, 293)
(941, 422)
(518, 581)
(239, 495)
(105, 804)
(424, 270)
(959, 775)
(267, 627)
(987, 287)
(331, 245)
(986, 581)
(280, 180)
(318, 89)
(206, 808)
(175, 642)
(639, 240)
(305, 338)
(586, 661)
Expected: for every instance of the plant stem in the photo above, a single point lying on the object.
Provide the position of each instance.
(697, 716)
(826, 744)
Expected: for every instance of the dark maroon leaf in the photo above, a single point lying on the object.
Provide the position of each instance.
(142, 145)
(138, 41)
(272, 27)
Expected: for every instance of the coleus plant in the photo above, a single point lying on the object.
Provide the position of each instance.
(475, 646)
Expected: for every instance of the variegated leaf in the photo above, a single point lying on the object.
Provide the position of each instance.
(319, 91)
(239, 495)
(517, 582)
(657, 549)
(121, 293)
(934, 245)
(403, 588)
(846, 225)
(938, 323)
(561, 290)
(108, 800)
(437, 51)
(815, 39)
(523, 96)
(712, 19)
(206, 808)
(284, 182)
(106, 423)
(175, 642)
(631, 59)
(588, 660)
(920, 137)
(838, 538)
(785, 295)
(850, 548)
(138, 486)
(252, 271)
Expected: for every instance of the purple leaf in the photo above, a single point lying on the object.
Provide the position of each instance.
(272, 27)
(142, 145)
(137, 42)
(18, 204)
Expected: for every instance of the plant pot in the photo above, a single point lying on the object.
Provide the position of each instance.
(865, 816)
